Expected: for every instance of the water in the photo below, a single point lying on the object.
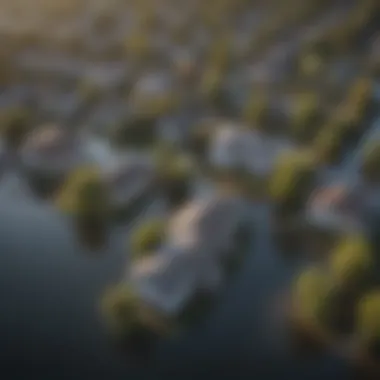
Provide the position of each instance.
(50, 326)
(50, 288)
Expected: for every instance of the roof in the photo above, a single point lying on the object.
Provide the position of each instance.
(336, 207)
(208, 221)
(244, 148)
(47, 139)
(190, 260)
(51, 148)
(129, 180)
(166, 281)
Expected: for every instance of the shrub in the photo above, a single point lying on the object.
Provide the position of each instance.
(350, 261)
(137, 46)
(370, 162)
(368, 318)
(84, 194)
(330, 309)
(348, 119)
(164, 153)
(239, 179)
(147, 237)
(200, 138)
(175, 177)
(305, 118)
(292, 180)
(15, 125)
(311, 63)
(211, 86)
(214, 93)
(156, 106)
(219, 54)
(256, 112)
(310, 294)
(119, 307)
(170, 159)
(329, 143)
(360, 95)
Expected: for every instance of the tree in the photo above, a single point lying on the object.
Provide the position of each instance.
(368, 319)
(256, 111)
(310, 293)
(305, 118)
(292, 180)
(370, 168)
(84, 194)
(15, 125)
(329, 142)
(119, 307)
(174, 172)
(350, 262)
(147, 237)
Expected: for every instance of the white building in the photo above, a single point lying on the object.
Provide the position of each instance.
(210, 222)
(235, 147)
(199, 237)
(52, 151)
(129, 180)
(337, 208)
(169, 279)
(152, 86)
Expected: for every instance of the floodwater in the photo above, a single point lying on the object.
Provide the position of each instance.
(50, 287)
(50, 326)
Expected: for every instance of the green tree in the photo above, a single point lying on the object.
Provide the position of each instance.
(147, 237)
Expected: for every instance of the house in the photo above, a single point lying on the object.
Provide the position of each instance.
(168, 280)
(227, 148)
(199, 237)
(233, 147)
(51, 151)
(337, 208)
(152, 86)
(63, 69)
(129, 180)
(211, 221)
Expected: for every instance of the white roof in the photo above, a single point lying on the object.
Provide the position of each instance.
(129, 180)
(167, 281)
(207, 222)
(153, 84)
(48, 149)
(233, 147)
(182, 227)
(334, 207)
(191, 258)
(227, 147)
